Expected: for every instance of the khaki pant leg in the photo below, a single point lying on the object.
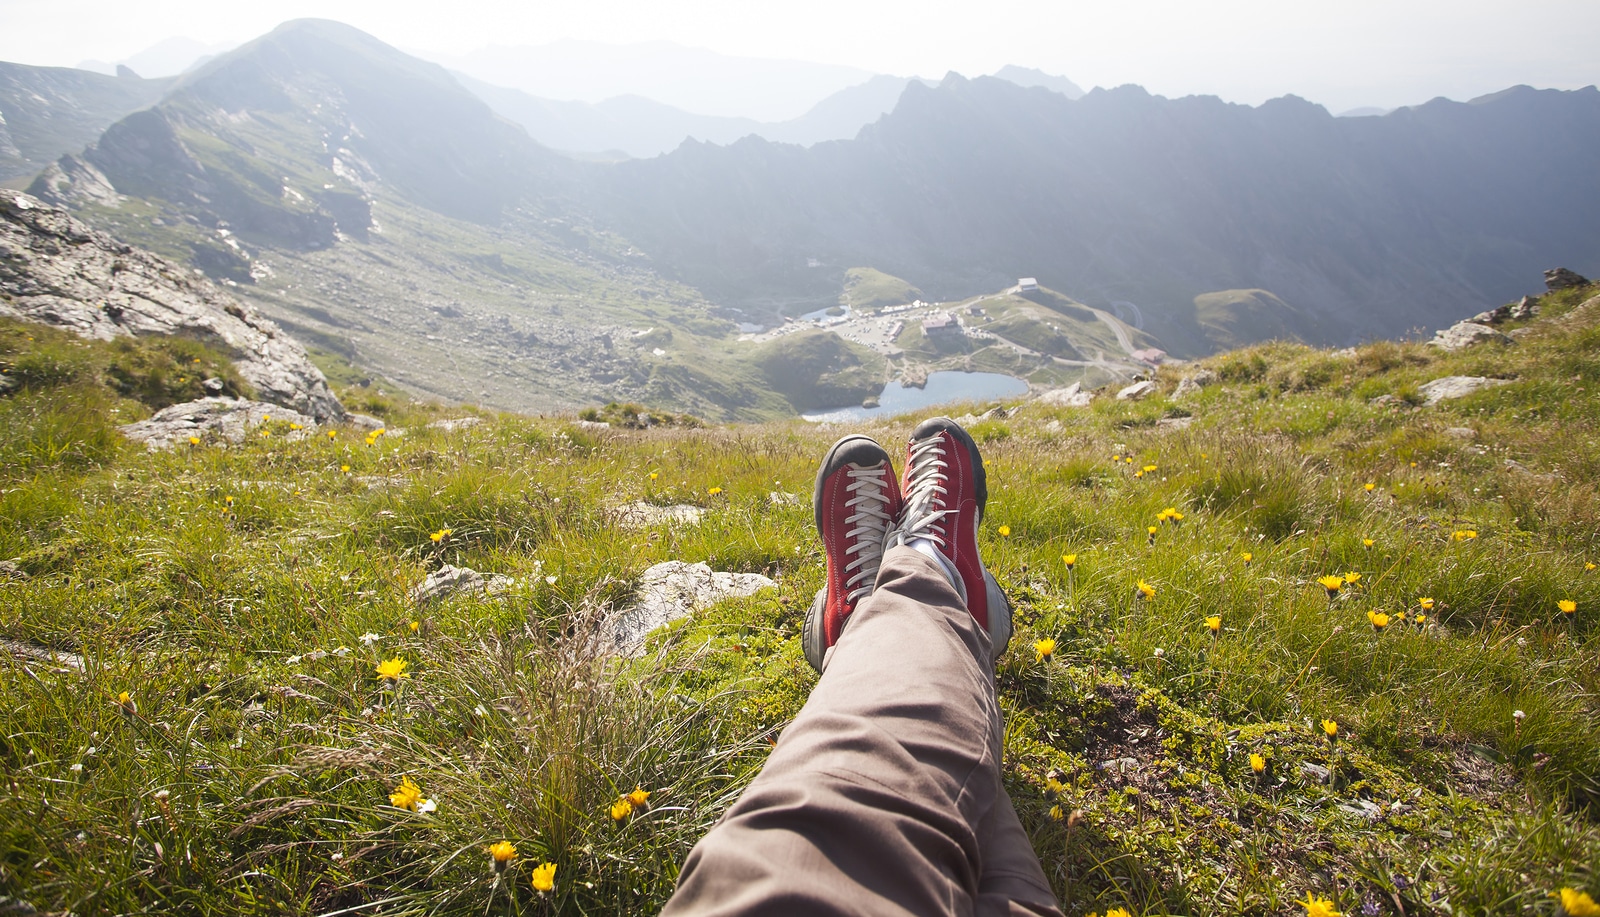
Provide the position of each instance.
(872, 800)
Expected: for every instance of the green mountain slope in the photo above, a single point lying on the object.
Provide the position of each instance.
(46, 112)
(192, 641)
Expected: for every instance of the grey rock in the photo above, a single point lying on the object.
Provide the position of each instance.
(364, 421)
(449, 581)
(56, 270)
(6, 383)
(1192, 384)
(1449, 387)
(641, 515)
(10, 570)
(1464, 433)
(669, 591)
(1527, 307)
(1465, 334)
(60, 658)
(214, 385)
(1174, 423)
(1559, 278)
(230, 419)
(1315, 771)
(455, 423)
(1136, 391)
(1073, 396)
(1120, 765)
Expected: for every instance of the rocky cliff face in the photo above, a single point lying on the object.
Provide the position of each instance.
(56, 270)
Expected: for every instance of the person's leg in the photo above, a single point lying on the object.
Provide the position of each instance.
(872, 800)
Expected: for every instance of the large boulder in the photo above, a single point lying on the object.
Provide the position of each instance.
(1449, 387)
(1465, 334)
(212, 419)
(56, 270)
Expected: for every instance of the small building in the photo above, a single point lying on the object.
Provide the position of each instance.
(941, 324)
(1150, 355)
(1027, 284)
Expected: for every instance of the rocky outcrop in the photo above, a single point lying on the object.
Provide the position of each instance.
(1191, 385)
(1073, 396)
(1465, 334)
(1454, 387)
(1137, 391)
(56, 270)
(1525, 308)
(667, 592)
(450, 581)
(1559, 278)
(213, 419)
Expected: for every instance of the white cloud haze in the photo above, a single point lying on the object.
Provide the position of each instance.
(1341, 53)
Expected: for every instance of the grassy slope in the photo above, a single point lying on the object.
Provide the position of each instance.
(866, 288)
(253, 775)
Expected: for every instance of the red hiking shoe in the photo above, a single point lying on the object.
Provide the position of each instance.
(856, 502)
(945, 489)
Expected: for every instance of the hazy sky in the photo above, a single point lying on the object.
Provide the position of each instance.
(1341, 53)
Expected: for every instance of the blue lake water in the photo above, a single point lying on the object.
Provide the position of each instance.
(942, 388)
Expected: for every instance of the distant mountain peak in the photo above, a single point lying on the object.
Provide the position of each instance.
(1029, 77)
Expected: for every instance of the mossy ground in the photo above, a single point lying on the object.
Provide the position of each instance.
(251, 770)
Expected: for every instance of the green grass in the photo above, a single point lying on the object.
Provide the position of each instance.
(254, 774)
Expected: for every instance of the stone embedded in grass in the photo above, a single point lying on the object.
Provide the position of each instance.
(1462, 335)
(667, 592)
(448, 581)
(230, 419)
(1136, 391)
(1448, 387)
(642, 515)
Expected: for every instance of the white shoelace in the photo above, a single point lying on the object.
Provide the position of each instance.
(866, 528)
(924, 482)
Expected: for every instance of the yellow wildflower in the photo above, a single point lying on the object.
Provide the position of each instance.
(1005, 531)
(1332, 584)
(406, 795)
(638, 797)
(126, 704)
(194, 440)
(1378, 619)
(501, 853)
(653, 475)
(544, 877)
(415, 626)
(345, 468)
(1118, 912)
(1151, 529)
(1257, 763)
(1575, 903)
(392, 670)
(1588, 565)
(1331, 728)
(333, 434)
(1214, 623)
(1400, 617)
(1144, 590)
(1370, 487)
(1149, 468)
(1366, 542)
(1426, 603)
(1352, 578)
(1318, 907)
(294, 426)
(621, 809)
(1044, 648)
(1567, 606)
(1463, 535)
(1070, 560)
(714, 491)
(440, 535)
(1052, 784)
(1056, 814)
(1247, 557)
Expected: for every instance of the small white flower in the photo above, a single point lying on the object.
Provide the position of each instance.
(369, 638)
(163, 794)
(1522, 641)
(480, 711)
(76, 768)
(342, 651)
(426, 805)
(337, 857)
(1517, 715)
(551, 580)
(293, 660)
(1159, 652)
